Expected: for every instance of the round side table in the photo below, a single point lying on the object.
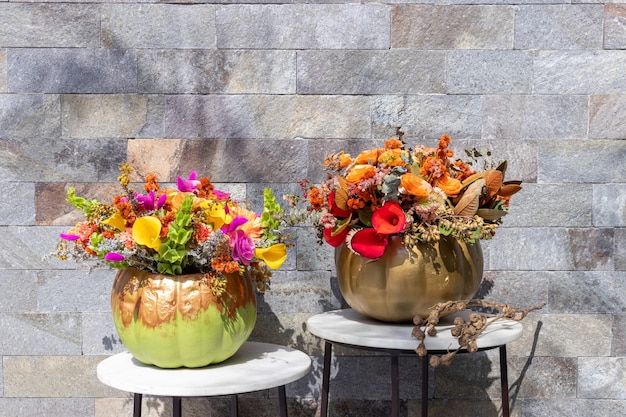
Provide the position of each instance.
(256, 366)
(349, 328)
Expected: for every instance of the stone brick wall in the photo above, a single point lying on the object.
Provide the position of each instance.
(256, 93)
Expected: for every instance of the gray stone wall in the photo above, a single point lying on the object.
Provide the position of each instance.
(255, 93)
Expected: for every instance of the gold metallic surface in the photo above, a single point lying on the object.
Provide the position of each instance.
(397, 287)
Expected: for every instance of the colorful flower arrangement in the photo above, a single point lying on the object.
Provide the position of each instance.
(420, 194)
(194, 228)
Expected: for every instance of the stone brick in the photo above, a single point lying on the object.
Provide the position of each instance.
(99, 336)
(489, 72)
(618, 345)
(559, 27)
(615, 26)
(49, 25)
(19, 291)
(3, 70)
(451, 27)
(312, 256)
(560, 161)
(570, 206)
(579, 72)
(609, 205)
(299, 292)
(559, 335)
(158, 26)
(229, 160)
(35, 407)
(38, 334)
(571, 407)
(620, 249)
(606, 113)
(310, 26)
(426, 116)
(23, 247)
(446, 407)
(102, 116)
(371, 72)
(543, 377)
(552, 249)
(602, 378)
(19, 209)
(469, 376)
(79, 291)
(285, 329)
(588, 292)
(29, 115)
(72, 70)
(53, 376)
(254, 116)
(35, 160)
(202, 72)
(534, 117)
(517, 288)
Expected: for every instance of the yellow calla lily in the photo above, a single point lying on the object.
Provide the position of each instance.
(274, 256)
(146, 231)
(217, 216)
(116, 221)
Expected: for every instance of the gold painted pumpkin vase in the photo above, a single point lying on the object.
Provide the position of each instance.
(184, 320)
(400, 285)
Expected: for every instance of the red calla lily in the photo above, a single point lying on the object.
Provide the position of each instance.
(335, 240)
(368, 243)
(389, 219)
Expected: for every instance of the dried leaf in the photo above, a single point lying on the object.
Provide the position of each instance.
(491, 214)
(468, 204)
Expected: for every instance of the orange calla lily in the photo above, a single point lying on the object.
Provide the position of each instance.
(447, 184)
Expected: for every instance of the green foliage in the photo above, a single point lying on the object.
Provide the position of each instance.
(270, 218)
(172, 253)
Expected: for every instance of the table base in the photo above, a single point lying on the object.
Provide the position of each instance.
(395, 378)
(234, 404)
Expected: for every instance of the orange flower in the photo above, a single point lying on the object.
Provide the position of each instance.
(393, 157)
(393, 143)
(360, 172)
(447, 184)
(367, 157)
(344, 160)
(414, 185)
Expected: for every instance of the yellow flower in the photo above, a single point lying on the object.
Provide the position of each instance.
(274, 256)
(146, 231)
(116, 221)
(216, 215)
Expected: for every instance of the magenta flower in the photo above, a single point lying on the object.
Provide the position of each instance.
(188, 185)
(67, 236)
(148, 201)
(242, 246)
(221, 195)
(114, 257)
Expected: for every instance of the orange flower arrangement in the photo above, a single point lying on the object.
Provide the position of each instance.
(420, 194)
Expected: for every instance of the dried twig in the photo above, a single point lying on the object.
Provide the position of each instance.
(466, 332)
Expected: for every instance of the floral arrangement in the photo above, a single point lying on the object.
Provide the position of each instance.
(194, 228)
(419, 194)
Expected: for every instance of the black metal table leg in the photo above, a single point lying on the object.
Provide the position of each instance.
(504, 382)
(234, 405)
(328, 351)
(425, 371)
(137, 405)
(395, 385)
(282, 399)
(177, 406)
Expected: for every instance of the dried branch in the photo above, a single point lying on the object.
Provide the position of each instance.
(466, 332)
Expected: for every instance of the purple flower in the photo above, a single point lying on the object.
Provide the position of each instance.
(188, 185)
(221, 195)
(114, 257)
(148, 201)
(67, 236)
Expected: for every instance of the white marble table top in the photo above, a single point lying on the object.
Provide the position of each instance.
(351, 328)
(256, 366)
